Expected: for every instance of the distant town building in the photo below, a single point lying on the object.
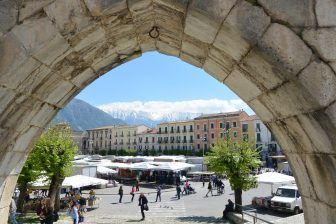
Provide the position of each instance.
(209, 128)
(178, 135)
(147, 140)
(256, 131)
(199, 134)
(114, 137)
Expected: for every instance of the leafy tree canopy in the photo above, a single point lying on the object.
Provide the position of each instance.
(236, 160)
(55, 150)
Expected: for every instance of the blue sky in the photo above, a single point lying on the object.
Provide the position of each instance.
(155, 77)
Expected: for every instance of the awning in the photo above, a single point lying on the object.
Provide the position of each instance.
(142, 166)
(104, 170)
(82, 181)
(73, 181)
(275, 178)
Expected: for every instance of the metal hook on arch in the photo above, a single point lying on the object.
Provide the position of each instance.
(154, 32)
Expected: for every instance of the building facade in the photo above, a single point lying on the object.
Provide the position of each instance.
(210, 128)
(113, 137)
(176, 135)
(147, 140)
(256, 131)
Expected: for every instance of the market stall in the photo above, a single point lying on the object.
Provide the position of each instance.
(273, 179)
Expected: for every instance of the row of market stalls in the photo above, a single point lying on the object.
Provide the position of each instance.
(163, 169)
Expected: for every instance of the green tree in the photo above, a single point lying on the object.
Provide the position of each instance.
(56, 150)
(29, 173)
(236, 160)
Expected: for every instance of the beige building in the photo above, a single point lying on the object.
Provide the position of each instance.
(148, 140)
(176, 135)
(113, 137)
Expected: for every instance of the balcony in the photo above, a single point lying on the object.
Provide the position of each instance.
(178, 141)
(121, 143)
(191, 130)
(171, 131)
(172, 141)
(184, 131)
(191, 141)
(165, 141)
(146, 142)
(178, 131)
(116, 143)
(184, 141)
(134, 143)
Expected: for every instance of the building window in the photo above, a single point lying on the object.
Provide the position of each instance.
(198, 127)
(198, 136)
(245, 137)
(178, 129)
(191, 128)
(258, 127)
(153, 139)
(205, 146)
(227, 125)
(234, 124)
(204, 127)
(166, 130)
(212, 126)
(235, 134)
(159, 130)
(198, 146)
(221, 135)
(171, 129)
(220, 125)
(245, 127)
(212, 135)
(258, 137)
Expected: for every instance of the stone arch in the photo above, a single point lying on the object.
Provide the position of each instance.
(278, 56)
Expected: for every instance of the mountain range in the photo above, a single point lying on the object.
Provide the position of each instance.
(150, 119)
(82, 116)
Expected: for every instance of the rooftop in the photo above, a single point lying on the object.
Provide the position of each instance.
(227, 114)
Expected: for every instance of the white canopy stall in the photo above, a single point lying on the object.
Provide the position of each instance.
(274, 178)
(78, 181)
(73, 181)
(105, 170)
(142, 166)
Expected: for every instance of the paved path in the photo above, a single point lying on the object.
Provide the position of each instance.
(194, 208)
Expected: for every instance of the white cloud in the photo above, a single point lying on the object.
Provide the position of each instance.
(158, 109)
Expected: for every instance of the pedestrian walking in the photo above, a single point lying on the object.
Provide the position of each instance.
(158, 193)
(209, 189)
(143, 203)
(178, 191)
(137, 184)
(12, 212)
(121, 193)
(133, 192)
(73, 212)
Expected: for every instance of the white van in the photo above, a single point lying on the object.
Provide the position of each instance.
(287, 198)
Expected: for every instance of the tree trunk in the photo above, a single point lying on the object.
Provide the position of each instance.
(238, 200)
(54, 191)
(20, 202)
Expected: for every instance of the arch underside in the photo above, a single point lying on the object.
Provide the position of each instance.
(278, 57)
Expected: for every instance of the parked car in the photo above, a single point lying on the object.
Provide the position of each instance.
(287, 198)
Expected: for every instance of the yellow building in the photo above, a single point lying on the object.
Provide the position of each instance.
(114, 137)
(177, 135)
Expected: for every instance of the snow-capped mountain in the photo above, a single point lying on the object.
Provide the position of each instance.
(150, 119)
(153, 112)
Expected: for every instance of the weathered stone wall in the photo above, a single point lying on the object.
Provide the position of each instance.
(278, 56)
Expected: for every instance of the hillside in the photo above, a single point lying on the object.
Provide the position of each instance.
(82, 116)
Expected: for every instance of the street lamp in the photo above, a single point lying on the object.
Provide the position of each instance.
(204, 140)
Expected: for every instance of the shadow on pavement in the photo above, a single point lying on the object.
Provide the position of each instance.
(202, 219)
(267, 211)
(134, 220)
